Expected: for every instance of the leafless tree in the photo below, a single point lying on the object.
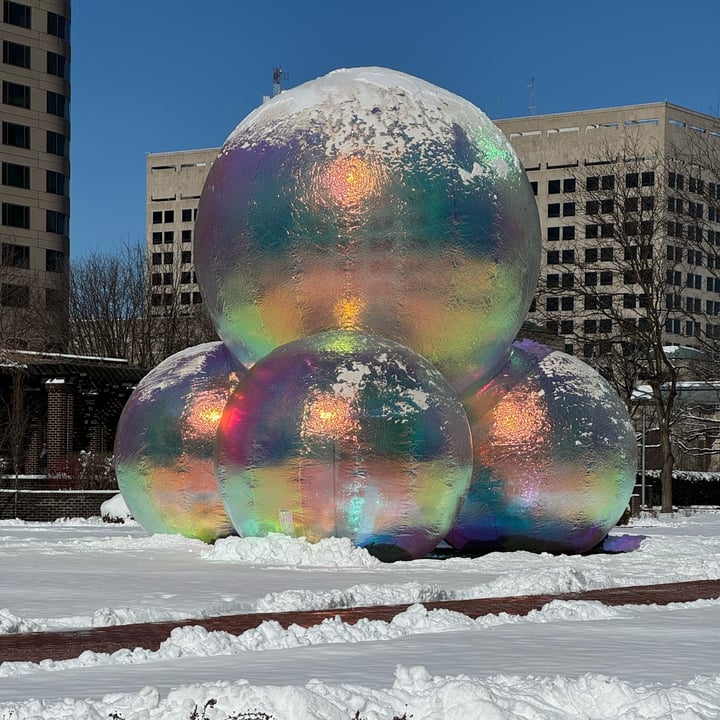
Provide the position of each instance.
(632, 279)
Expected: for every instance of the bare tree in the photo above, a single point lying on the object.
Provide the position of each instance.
(122, 307)
(631, 281)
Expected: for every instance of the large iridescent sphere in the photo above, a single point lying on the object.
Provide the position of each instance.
(165, 443)
(344, 434)
(370, 200)
(554, 457)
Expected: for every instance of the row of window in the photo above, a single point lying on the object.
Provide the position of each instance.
(18, 256)
(695, 185)
(14, 175)
(603, 277)
(14, 295)
(19, 14)
(18, 216)
(18, 95)
(167, 278)
(632, 228)
(19, 55)
(168, 236)
(16, 135)
(186, 298)
(167, 258)
(601, 182)
(168, 216)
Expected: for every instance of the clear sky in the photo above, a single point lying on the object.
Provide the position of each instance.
(161, 75)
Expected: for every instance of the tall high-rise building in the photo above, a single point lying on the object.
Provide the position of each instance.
(35, 155)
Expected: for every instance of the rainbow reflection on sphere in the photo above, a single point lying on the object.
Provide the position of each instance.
(348, 435)
(370, 200)
(165, 443)
(554, 457)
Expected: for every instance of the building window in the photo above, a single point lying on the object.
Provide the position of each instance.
(169, 216)
(568, 280)
(592, 207)
(590, 302)
(156, 300)
(591, 231)
(15, 255)
(169, 236)
(590, 327)
(553, 280)
(553, 233)
(606, 277)
(534, 187)
(187, 215)
(57, 25)
(57, 65)
(592, 183)
(607, 182)
(157, 217)
(186, 235)
(568, 209)
(57, 144)
(553, 187)
(184, 298)
(607, 206)
(156, 279)
(15, 13)
(16, 296)
(605, 325)
(647, 179)
(57, 104)
(568, 232)
(569, 185)
(15, 215)
(533, 306)
(605, 301)
(56, 222)
(16, 94)
(185, 277)
(567, 327)
(16, 175)
(568, 257)
(591, 279)
(631, 204)
(568, 302)
(156, 258)
(591, 255)
(186, 256)
(16, 54)
(606, 254)
(607, 230)
(552, 257)
(553, 210)
(157, 238)
(197, 298)
(551, 303)
(56, 183)
(16, 135)
(648, 202)
(167, 278)
(631, 180)
(167, 258)
(54, 261)
(629, 300)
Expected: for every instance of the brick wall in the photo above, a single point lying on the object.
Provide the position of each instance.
(49, 505)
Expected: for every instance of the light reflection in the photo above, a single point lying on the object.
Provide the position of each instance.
(330, 416)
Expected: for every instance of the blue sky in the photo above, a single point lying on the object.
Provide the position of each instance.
(178, 74)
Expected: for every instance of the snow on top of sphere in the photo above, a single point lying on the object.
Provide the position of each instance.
(372, 106)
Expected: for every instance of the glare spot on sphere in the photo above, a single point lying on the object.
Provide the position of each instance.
(165, 442)
(370, 200)
(554, 457)
(348, 435)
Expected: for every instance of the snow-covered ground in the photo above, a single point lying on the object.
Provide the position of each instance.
(568, 660)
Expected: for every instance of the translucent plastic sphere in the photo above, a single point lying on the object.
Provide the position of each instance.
(554, 457)
(347, 435)
(165, 443)
(370, 200)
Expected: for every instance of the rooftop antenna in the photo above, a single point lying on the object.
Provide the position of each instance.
(278, 77)
(532, 95)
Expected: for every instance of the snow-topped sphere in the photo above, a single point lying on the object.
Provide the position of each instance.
(554, 457)
(348, 435)
(165, 443)
(370, 200)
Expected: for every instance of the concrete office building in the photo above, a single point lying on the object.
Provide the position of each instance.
(35, 152)
(578, 163)
(563, 154)
(174, 181)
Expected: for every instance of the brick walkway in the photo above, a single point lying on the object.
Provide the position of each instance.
(38, 646)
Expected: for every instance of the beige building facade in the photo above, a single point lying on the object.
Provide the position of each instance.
(35, 155)
(174, 182)
(566, 156)
(579, 162)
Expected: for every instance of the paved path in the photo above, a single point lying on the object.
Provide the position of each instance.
(38, 646)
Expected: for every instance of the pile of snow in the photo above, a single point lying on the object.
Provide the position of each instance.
(115, 510)
(280, 550)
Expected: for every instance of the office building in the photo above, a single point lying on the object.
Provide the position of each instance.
(35, 155)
